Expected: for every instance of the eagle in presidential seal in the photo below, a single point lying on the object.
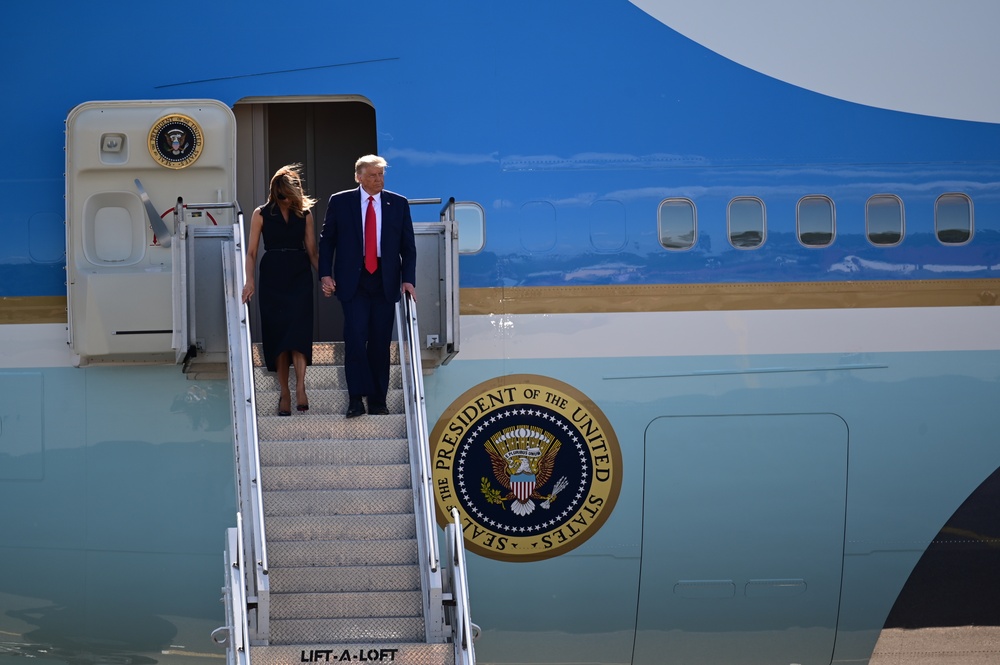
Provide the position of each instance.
(531, 465)
(523, 459)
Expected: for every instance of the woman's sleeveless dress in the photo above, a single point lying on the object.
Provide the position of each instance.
(285, 287)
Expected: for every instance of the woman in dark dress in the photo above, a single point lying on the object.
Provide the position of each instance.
(286, 281)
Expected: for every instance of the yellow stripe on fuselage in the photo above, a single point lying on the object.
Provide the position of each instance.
(729, 297)
(33, 309)
(654, 298)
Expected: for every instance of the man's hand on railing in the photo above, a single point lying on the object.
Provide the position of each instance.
(408, 288)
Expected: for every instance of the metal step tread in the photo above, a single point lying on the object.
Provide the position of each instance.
(300, 427)
(325, 353)
(349, 605)
(317, 651)
(370, 631)
(326, 553)
(307, 452)
(331, 401)
(337, 502)
(319, 377)
(297, 579)
(339, 476)
(298, 416)
(391, 526)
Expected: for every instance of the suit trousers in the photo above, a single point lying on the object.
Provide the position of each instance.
(368, 321)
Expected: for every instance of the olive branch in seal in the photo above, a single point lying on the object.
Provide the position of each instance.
(491, 495)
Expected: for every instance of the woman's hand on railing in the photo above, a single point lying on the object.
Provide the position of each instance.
(248, 290)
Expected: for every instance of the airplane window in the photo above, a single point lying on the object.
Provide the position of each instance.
(884, 219)
(471, 220)
(538, 226)
(607, 225)
(677, 220)
(953, 218)
(816, 221)
(747, 224)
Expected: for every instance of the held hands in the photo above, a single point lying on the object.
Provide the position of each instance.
(328, 285)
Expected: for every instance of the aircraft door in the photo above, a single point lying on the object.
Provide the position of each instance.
(323, 134)
(743, 539)
(127, 164)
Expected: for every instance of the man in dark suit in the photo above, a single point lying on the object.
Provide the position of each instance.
(368, 239)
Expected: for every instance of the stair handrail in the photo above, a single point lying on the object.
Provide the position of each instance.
(234, 636)
(464, 651)
(412, 347)
(245, 357)
(249, 492)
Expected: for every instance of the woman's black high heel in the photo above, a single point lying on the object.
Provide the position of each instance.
(283, 412)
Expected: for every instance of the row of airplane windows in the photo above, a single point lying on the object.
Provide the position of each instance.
(815, 221)
(746, 219)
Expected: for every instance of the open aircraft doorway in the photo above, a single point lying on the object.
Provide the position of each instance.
(326, 135)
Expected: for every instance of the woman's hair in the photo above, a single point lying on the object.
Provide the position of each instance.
(287, 182)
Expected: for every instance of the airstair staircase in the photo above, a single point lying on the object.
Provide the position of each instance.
(336, 555)
(339, 518)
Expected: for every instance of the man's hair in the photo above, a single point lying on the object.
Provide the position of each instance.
(366, 161)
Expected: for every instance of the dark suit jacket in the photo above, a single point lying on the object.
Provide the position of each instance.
(342, 243)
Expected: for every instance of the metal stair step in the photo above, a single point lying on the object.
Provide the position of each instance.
(318, 377)
(323, 401)
(304, 426)
(374, 631)
(375, 652)
(326, 353)
(333, 451)
(404, 577)
(289, 553)
(337, 502)
(340, 527)
(351, 605)
(353, 477)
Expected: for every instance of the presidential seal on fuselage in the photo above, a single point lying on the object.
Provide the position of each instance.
(176, 141)
(531, 464)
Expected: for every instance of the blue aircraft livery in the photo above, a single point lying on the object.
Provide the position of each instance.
(726, 340)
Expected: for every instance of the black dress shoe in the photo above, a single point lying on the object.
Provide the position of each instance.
(355, 408)
(377, 409)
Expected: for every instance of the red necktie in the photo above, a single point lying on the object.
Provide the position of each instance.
(371, 241)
